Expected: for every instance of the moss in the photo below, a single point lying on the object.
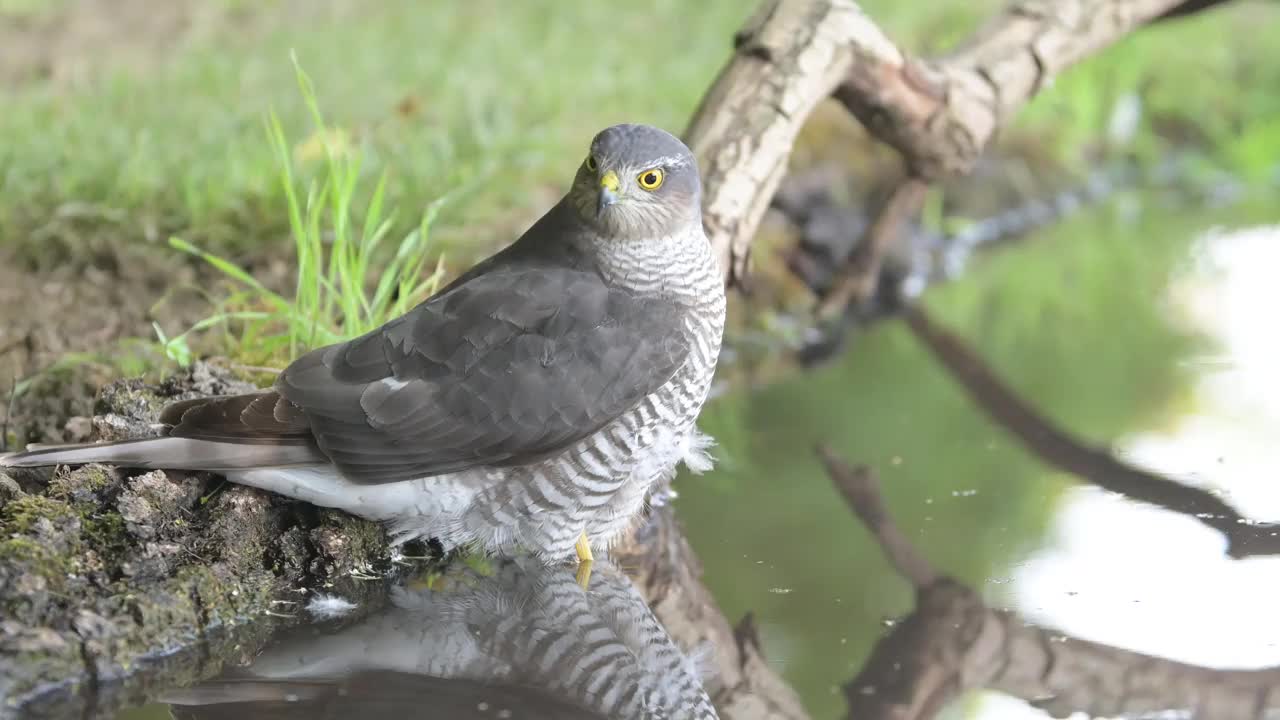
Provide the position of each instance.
(21, 515)
(133, 399)
(35, 578)
(128, 630)
(350, 545)
(161, 619)
(153, 504)
(82, 485)
(428, 579)
(35, 556)
(225, 599)
(291, 554)
(42, 557)
(242, 526)
(21, 549)
(105, 532)
(55, 538)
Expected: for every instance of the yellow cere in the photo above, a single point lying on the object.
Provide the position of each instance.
(650, 179)
(610, 181)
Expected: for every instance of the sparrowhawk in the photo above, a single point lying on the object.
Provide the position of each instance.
(533, 402)
(523, 638)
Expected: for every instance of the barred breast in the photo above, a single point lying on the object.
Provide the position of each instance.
(622, 463)
(599, 485)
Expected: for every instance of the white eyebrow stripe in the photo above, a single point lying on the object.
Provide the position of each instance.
(669, 160)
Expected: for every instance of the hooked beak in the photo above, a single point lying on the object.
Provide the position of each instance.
(608, 192)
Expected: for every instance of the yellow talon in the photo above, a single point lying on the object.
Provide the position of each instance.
(584, 549)
(585, 559)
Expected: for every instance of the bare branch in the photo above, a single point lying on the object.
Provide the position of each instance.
(858, 487)
(1060, 449)
(792, 54)
(942, 114)
(855, 282)
(952, 642)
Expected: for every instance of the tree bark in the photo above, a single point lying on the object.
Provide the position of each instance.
(940, 115)
(790, 55)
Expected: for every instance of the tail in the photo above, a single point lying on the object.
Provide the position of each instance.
(244, 690)
(170, 453)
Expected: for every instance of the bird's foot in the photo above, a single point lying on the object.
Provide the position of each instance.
(585, 560)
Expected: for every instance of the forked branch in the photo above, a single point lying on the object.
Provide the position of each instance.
(940, 114)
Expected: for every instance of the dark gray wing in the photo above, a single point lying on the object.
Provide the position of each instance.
(262, 418)
(504, 368)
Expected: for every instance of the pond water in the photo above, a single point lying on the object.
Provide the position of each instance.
(1136, 325)
(1143, 325)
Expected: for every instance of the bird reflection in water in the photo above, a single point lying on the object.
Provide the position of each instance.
(517, 640)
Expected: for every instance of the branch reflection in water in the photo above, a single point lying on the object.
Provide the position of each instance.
(514, 640)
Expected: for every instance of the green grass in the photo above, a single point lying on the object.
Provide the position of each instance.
(498, 99)
(1201, 83)
(344, 286)
(27, 8)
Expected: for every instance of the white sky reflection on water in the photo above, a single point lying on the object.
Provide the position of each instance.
(1153, 581)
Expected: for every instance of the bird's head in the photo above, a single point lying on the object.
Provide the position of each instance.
(637, 182)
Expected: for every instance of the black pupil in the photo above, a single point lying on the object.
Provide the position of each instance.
(650, 179)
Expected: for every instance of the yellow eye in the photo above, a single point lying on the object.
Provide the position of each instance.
(650, 179)
(591, 163)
